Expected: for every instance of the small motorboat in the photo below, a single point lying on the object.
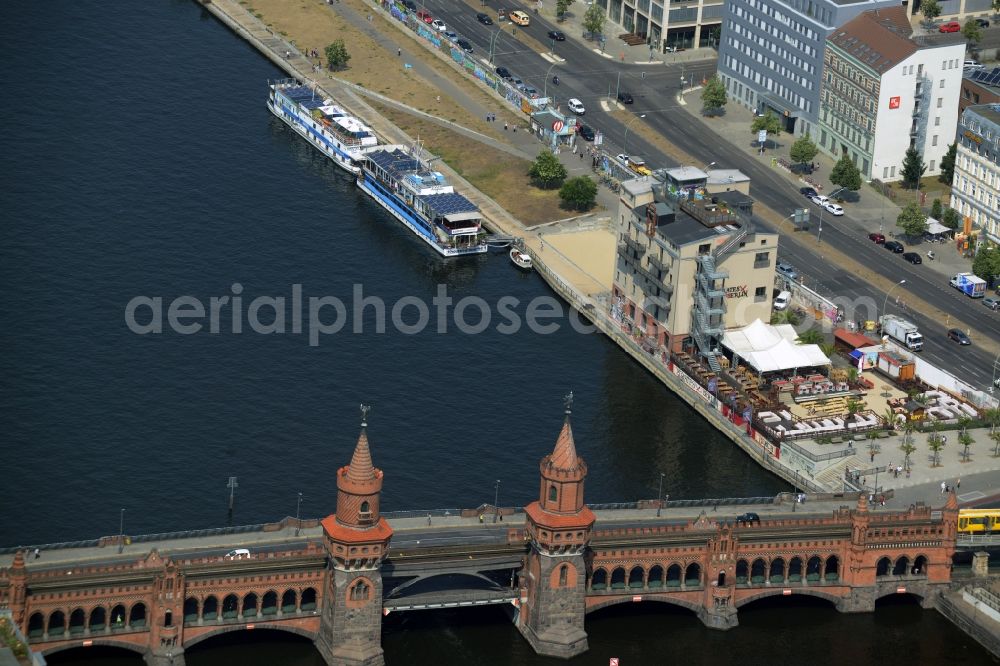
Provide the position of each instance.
(520, 258)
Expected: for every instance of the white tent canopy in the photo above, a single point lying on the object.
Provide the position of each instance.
(768, 348)
(934, 227)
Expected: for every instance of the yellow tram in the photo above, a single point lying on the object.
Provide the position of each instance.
(978, 521)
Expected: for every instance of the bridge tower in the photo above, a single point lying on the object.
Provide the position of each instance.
(356, 539)
(558, 525)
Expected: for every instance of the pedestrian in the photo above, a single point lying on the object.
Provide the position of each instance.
(480, 518)
(581, 156)
(428, 519)
(873, 456)
(943, 487)
(515, 129)
(37, 554)
(899, 470)
(907, 473)
(864, 480)
(501, 517)
(958, 483)
(505, 127)
(399, 52)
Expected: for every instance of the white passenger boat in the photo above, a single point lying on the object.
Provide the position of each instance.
(329, 128)
(520, 259)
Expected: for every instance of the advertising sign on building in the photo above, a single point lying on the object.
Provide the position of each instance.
(894, 102)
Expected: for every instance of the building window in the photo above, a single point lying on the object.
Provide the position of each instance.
(937, 121)
(934, 142)
(760, 294)
(553, 493)
(705, 249)
(563, 575)
(931, 165)
(761, 260)
(940, 101)
(941, 84)
(885, 172)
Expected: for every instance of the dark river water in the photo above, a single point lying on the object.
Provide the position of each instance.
(141, 162)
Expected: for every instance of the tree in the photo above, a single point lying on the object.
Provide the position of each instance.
(594, 19)
(846, 174)
(578, 193)
(337, 55)
(935, 442)
(713, 95)
(907, 447)
(547, 171)
(562, 6)
(995, 5)
(912, 220)
(936, 209)
(811, 337)
(951, 218)
(913, 168)
(803, 150)
(768, 122)
(972, 32)
(947, 174)
(987, 263)
(965, 441)
(995, 436)
(930, 9)
(854, 406)
(785, 317)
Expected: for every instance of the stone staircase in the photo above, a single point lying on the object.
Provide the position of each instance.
(832, 478)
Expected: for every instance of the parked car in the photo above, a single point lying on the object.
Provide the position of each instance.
(748, 518)
(464, 45)
(992, 302)
(878, 239)
(484, 18)
(576, 106)
(624, 97)
(557, 36)
(894, 246)
(782, 300)
(959, 336)
(238, 554)
(439, 25)
(786, 269)
(982, 23)
(833, 209)
(950, 26)
(585, 131)
(425, 16)
(451, 37)
(913, 257)
(808, 192)
(972, 64)
(410, 4)
(531, 92)
(516, 82)
(504, 73)
(820, 200)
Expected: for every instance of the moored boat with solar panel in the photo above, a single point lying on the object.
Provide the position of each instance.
(423, 200)
(329, 128)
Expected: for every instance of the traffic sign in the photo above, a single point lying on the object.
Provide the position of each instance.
(613, 661)
(558, 125)
(762, 136)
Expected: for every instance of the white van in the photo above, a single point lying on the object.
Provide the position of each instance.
(238, 554)
(782, 300)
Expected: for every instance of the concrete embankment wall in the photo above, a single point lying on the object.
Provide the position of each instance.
(499, 220)
(967, 618)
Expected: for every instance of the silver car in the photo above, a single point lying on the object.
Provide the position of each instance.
(787, 270)
(992, 302)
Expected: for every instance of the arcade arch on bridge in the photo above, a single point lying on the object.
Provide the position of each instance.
(902, 566)
(656, 577)
(253, 604)
(779, 570)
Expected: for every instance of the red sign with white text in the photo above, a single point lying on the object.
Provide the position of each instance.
(893, 102)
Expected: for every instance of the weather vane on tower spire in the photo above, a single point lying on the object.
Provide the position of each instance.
(364, 414)
(568, 401)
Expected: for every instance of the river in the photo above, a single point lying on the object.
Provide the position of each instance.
(141, 162)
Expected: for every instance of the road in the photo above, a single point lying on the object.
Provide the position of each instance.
(590, 77)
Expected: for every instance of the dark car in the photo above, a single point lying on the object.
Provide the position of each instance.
(464, 45)
(913, 257)
(484, 19)
(556, 35)
(409, 4)
(959, 336)
(748, 518)
(982, 23)
(894, 246)
(878, 239)
(585, 131)
(504, 73)
(625, 98)
(808, 192)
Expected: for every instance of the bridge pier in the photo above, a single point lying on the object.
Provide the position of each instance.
(164, 656)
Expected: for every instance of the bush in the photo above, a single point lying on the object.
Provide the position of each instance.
(579, 193)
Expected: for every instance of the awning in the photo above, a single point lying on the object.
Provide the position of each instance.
(934, 227)
(461, 217)
(769, 348)
(853, 339)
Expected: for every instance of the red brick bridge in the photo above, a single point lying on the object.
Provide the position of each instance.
(550, 566)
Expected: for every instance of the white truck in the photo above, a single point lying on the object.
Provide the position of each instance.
(902, 331)
(969, 284)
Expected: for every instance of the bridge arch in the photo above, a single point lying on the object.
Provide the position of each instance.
(890, 591)
(288, 601)
(308, 599)
(920, 565)
(401, 591)
(777, 592)
(118, 615)
(98, 619)
(618, 578)
(210, 608)
(831, 568)
(654, 580)
(692, 575)
(242, 627)
(137, 615)
(637, 577)
(795, 570)
(249, 605)
(107, 642)
(674, 574)
(901, 567)
(758, 571)
(77, 621)
(664, 598)
(883, 567)
(269, 603)
(742, 572)
(230, 606)
(57, 622)
(776, 572)
(599, 579)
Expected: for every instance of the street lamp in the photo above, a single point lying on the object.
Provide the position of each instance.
(493, 41)
(625, 138)
(121, 531)
(885, 303)
(708, 166)
(822, 209)
(298, 509)
(993, 382)
(545, 84)
(659, 494)
(496, 500)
